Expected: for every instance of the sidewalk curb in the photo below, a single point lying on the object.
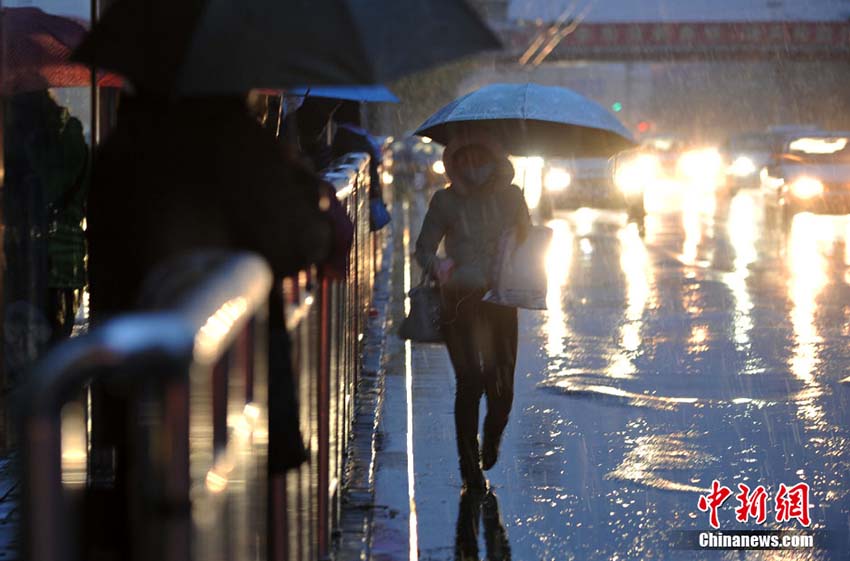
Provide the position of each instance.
(353, 537)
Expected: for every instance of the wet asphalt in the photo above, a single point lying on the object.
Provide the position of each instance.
(711, 348)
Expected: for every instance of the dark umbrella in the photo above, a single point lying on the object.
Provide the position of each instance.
(205, 47)
(35, 52)
(530, 119)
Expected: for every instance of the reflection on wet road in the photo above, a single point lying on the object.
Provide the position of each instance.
(713, 348)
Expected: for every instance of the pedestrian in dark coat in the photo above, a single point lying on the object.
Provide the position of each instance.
(179, 177)
(471, 216)
(196, 174)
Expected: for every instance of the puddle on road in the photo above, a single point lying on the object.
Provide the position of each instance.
(616, 395)
(653, 460)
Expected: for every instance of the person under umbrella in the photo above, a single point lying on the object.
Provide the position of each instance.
(472, 215)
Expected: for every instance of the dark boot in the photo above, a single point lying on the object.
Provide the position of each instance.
(490, 451)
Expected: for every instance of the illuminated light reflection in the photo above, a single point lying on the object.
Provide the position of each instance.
(243, 430)
(217, 326)
(698, 338)
(557, 271)
(847, 247)
(693, 231)
(742, 232)
(528, 175)
(215, 482)
(74, 442)
(583, 219)
(653, 459)
(408, 386)
(574, 387)
(634, 264)
(808, 276)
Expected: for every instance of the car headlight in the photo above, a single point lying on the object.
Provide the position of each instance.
(635, 174)
(806, 187)
(557, 179)
(742, 167)
(702, 164)
(439, 167)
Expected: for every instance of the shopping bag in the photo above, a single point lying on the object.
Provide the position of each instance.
(422, 324)
(519, 276)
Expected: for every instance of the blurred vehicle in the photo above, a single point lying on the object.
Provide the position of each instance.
(701, 168)
(570, 184)
(666, 150)
(746, 154)
(812, 174)
(418, 163)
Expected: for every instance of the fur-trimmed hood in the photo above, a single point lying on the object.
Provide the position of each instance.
(504, 169)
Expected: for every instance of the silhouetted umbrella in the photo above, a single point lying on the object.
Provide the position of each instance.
(374, 94)
(530, 119)
(225, 46)
(36, 49)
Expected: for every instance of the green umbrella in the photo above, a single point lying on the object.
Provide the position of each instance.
(204, 47)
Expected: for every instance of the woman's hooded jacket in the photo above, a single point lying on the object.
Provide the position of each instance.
(471, 219)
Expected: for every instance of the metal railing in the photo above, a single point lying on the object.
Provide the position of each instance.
(189, 372)
(327, 321)
(196, 377)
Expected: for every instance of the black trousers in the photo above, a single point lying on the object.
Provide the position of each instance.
(482, 342)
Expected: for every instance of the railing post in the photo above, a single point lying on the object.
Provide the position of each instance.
(177, 484)
(323, 408)
(46, 537)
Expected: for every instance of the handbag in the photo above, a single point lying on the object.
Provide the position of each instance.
(519, 277)
(423, 323)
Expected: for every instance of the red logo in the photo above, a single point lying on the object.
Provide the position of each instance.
(789, 502)
(793, 503)
(752, 504)
(713, 501)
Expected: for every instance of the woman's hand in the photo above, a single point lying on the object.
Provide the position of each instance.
(443, 270)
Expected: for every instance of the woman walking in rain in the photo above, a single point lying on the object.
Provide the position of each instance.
(472, 215)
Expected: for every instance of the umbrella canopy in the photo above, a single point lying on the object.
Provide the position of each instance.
(530, 119)
(374, 94)
(203, 47)
(36, 49)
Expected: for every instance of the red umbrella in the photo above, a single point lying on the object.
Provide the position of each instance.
(35, 48)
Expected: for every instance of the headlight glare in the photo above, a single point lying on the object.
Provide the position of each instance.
(806, 187)
(742, 167)
(557, 179)
(634, 175)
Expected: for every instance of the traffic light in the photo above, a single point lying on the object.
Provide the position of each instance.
(617, 106)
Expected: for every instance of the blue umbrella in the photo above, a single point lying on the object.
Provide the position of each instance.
(530, 119)
(372, 93)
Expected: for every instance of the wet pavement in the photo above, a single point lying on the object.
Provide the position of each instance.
(713, 348)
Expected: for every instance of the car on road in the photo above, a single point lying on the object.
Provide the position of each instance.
(570, 184)
(812, 174)
(744, 156)
(666, 150)
(418, 163)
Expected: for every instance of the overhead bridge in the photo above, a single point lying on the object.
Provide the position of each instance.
(531, 43)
